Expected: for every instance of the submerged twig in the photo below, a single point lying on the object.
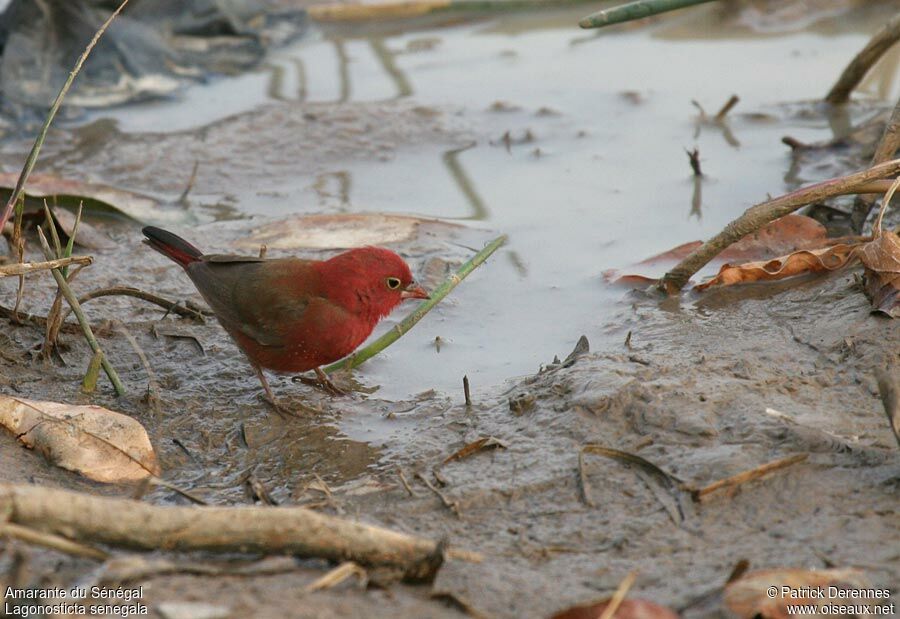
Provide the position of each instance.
(361, 356)
(634, 10)
(82, 320)
(883, 40)
(48, 540)
(763, 213)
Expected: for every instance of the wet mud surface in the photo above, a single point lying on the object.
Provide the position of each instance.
(684, 383)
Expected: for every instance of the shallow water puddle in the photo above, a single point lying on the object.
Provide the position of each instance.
(593, 174)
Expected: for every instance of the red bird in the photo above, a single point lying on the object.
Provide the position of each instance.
(293, 315)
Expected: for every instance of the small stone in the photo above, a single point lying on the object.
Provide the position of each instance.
(192, 610)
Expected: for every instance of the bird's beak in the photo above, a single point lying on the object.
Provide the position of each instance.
(414, 291)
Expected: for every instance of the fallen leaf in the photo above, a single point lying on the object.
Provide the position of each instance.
(797, 263)
(751, 595)
(98, 443)
(66, 192)
(485, 442)
(881, 258)
(87, 235)
(783, 236)
(338, 231)
(628, 609)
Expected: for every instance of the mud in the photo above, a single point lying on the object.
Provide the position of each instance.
(689, 391)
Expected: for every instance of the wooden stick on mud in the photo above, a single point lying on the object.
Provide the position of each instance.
(745, 476)
(763, 213)
(291, 530)
(23, 268)
(883, 40)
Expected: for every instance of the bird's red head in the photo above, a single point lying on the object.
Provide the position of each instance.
(370, 281)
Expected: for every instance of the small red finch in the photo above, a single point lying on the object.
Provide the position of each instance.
(293, 315)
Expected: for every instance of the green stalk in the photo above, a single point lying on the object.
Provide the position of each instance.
(54, 108)
(82, 319)
(359, 357)
(634, 10)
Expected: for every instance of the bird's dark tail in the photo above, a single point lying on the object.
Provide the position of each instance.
(173, 247)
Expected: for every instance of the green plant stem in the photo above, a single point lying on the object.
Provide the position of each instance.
(82, 319)
(359, 357)
(54, 108)
(634, 10)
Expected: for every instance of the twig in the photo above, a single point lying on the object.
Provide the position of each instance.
(889, 388)
(290, 530)
(54, 108)
(634, 10)
(183, 198)
(337, 576)
(407, 323)
(23, 268)
(152, 383)
(729, 105)
(694, 159)
(761, 214)
(405, 482)
(466, 391)
(885, 149)
(451, 505)
(744, 477)
(48, 540)
(883, 40)
(619, 596)
(128, 291)
(82, 320)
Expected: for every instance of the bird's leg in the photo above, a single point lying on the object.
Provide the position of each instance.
(269, 397)
(322, 382)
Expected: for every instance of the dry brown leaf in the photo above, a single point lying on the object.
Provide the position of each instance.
(98, 443)
(628, 609)
(797, 263)
(340, 231)
(485, 442)
(785, 235)
(70, 192)
(881, 257)
(87, 236)
(751, 595)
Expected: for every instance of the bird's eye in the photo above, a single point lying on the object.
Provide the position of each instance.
(393, 283)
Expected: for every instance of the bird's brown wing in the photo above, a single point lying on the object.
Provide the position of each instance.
(262, 299)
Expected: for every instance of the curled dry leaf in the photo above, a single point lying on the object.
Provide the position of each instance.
(98, 443)
(628, 609)
(339, 231)
(751, 595)
(96, 196)
(797, 263)
(881, 257)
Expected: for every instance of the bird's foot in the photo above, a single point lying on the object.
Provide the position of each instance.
(321, 381)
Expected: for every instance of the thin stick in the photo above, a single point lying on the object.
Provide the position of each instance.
(30, 267)
(405, 482)
(128, 291)
(54, 108)
(82, 320)
(466, 391)
(619, 596)
(886, 149)
(742, 478)
(634, 10)
(337, 576)
(48, 540)
(451, 505)
(407, 323)
(883, 40)
(732, 101)
(763, 213)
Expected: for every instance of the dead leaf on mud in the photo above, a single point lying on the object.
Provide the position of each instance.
(98, 443)
(881, 257)
(785, 235)
(485, 442)
(87, 236)
(339, 231)
(96, 196)
(751, 595)
(798, 263)
(628, 609)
